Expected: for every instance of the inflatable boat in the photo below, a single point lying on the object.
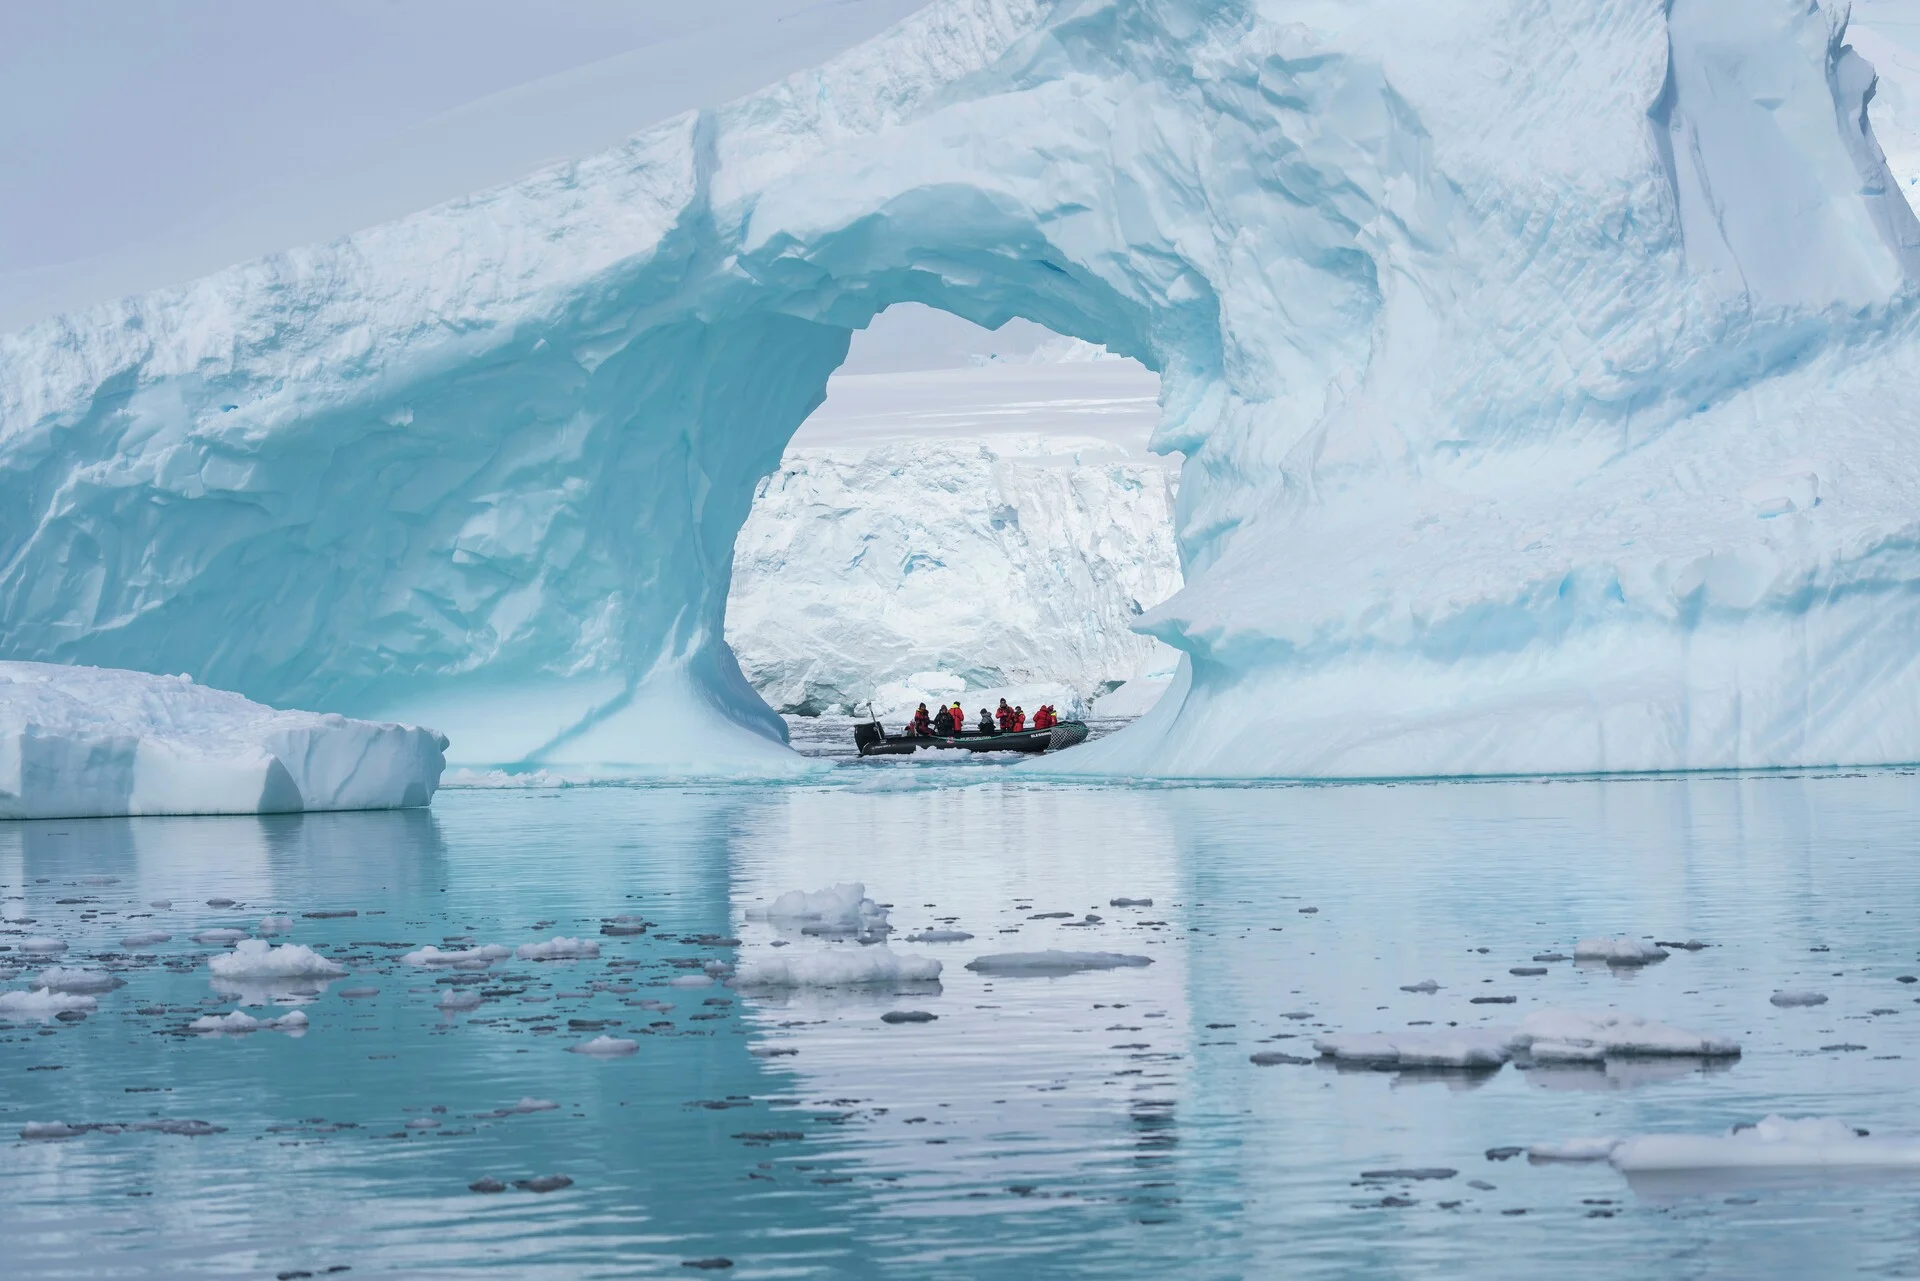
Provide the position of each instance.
(873, 740)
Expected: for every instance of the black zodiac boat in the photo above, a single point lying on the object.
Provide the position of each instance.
(873, 740)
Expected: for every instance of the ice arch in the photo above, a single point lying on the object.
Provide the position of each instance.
(1488, 351)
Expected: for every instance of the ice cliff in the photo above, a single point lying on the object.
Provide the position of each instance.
(81, 742)
(1544, 374)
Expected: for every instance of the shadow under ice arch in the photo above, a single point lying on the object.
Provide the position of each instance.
(483, 467)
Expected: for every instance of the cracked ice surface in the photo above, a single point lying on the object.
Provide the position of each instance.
(1520, 436)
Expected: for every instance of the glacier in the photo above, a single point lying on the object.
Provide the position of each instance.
(986, 528)
(1543, 375)
(82, 742)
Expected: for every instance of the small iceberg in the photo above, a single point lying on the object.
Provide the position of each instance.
(837, 967)
(605, 1047)
(558, 948)
(44, 1005)
(56, 979)
(843, 908)
(257, 961)
(1620, 951)
(432, 956)
(239, 1022)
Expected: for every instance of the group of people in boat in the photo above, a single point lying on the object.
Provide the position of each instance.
(950, 721)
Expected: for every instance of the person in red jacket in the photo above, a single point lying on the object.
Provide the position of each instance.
(922, 726)
(959, 717)
(1019, 719)
(1004, 715)
(1043, 718)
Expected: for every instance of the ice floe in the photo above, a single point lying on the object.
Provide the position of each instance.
(458, 999)
(41, 946)
(836, 967)
(604, 1046)
(838, 908)
(1420, 1048)
(274, 925)
(1051, 963)
(558, 948)
(1819, 1146)
(146, 938)
(220, 937)
(432, 956)
(1791, 999)
(239, 1022)
(43, 1004)
(57, 979)
(939, 936)
(1567, 1036)
(1620, 951)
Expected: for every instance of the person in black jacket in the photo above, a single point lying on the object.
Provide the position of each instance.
(986, 722)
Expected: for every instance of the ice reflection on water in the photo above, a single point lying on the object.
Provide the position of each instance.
(1104, 1124)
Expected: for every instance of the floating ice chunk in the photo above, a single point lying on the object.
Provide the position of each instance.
(274, 925)
(691, 980)
(908, 1016)
(939, 936)
(604, 1046)
(534, 1105)
(220, 937)
(162, 904)
(1776, 1143)
(1789, 999)
(837, 967)
(1050, 963)
(133, 743)
(1426, 986)
(1620, 951)
(256, 960)
(146, 938)
(1421, 1048)
(1567, 1036)
(50, 1130)
(839, 907)
(56, 979)
(431, 955)
(43, 1005)
(1573, 1150)
(558, 948)
(1129, 902)
(41, 946)
(239, 1022)
(458, 999)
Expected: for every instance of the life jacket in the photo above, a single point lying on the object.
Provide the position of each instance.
(1019, 720)
(1005, 716)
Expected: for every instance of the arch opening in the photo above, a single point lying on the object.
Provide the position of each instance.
(971, 514)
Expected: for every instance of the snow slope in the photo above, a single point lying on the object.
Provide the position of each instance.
(1543, 373)
(82, 742)
(1001, 524)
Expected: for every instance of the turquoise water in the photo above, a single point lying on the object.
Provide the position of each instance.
(1098, 1125)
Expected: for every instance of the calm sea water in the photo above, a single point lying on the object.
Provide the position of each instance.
(1098, 1125)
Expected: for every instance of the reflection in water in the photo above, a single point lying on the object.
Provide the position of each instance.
(1097, 1124)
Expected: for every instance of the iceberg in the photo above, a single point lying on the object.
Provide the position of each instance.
(87, 742)
(836, 967)
(1542, 375)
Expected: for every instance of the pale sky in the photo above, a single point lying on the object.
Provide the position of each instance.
(146, 143)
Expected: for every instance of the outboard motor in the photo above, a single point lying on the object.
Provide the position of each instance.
(868, 734)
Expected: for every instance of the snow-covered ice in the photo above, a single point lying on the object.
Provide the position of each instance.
(256, 960)
(836, 967)
(93, 742)
(1052, 963)
(43, 1004)
(558, 948)
(1618, 951)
